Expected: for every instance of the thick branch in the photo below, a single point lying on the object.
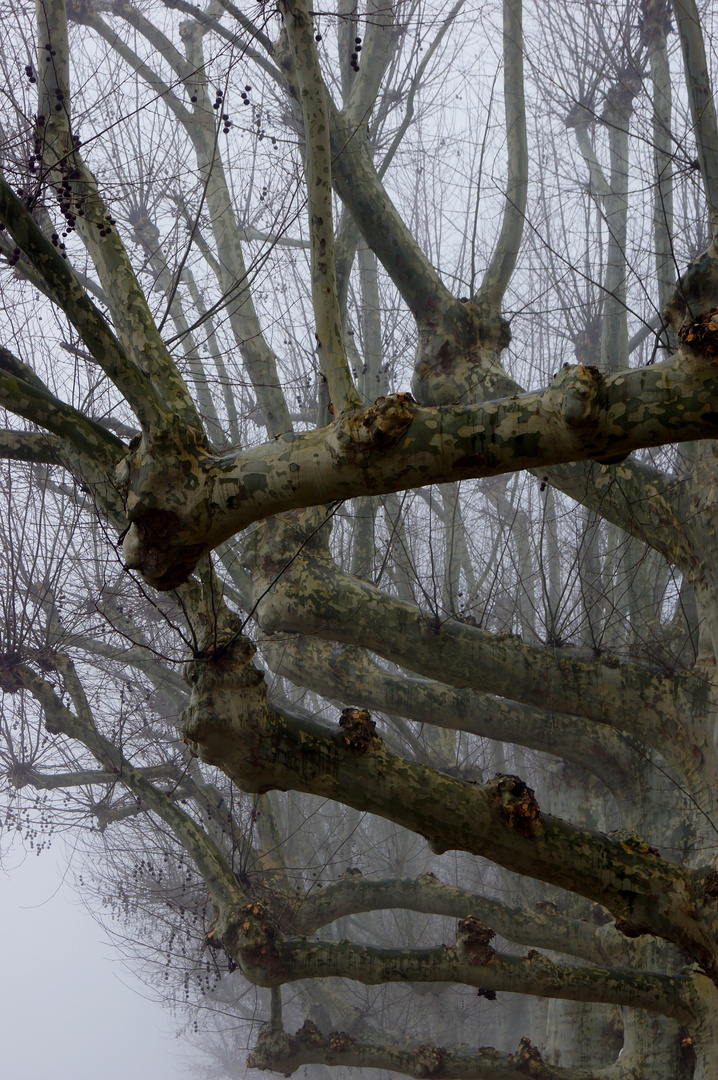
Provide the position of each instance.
(350, 674)
(361, 190)
(278, 1052)
(86, 210)
(474, 963)
(378, 46)
(427, 894)
(503, 260)
(396, 444)
(22, 392)
(700, 96)
(32, 446)
(647, 503)
(80, 310)
(231, 725)
(318, 175)
(303, 591)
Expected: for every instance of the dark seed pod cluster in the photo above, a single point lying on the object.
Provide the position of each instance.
(355, 55)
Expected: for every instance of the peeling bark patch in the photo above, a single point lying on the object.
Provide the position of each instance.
(631, 841)
(473, 938)
(358, 730)
(517, 804)
(490, 995)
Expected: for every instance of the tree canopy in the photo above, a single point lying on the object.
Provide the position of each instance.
(359, 515)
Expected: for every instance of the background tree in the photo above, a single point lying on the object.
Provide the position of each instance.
(218, 270)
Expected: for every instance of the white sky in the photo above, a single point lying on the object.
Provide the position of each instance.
(69, 1009)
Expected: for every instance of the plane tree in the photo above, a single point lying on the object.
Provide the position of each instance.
(265, 401)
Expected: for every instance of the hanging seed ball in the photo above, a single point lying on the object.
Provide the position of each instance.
(248, 88)
(317, 37)
(193, 98)
(357, 41)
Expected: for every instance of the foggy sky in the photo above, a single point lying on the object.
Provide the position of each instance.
(69, 1009)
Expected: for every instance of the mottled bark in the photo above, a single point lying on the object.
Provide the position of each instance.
(397, 444)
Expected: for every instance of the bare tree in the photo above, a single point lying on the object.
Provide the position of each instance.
(225, 234)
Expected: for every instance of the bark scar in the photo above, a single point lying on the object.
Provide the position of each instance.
(701, 334)
(379, 427)
(579, 394)
(358, 731)
(473, 938)
(517, 804)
